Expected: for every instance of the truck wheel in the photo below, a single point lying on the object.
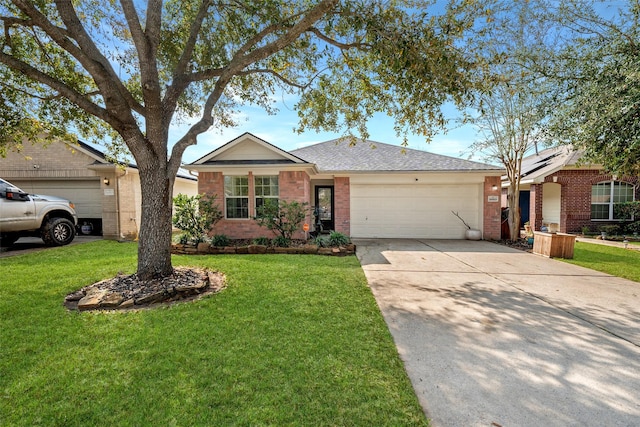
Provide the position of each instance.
(58, 232)
(8, 239)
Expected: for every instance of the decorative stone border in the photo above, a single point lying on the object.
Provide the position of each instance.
(207, 249)
(126, 292)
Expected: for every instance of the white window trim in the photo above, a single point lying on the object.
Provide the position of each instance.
(255, 195)
(611, 203)
(236, 197)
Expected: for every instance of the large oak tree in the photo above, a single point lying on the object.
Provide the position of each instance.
(598, 67)
(130, 69)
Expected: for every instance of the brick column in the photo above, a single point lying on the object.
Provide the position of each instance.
(491, 208)
(251, 188)
(564, 211)
(342, 204)
(211, 183)
(535, 206)
(296, 185)
(110, 214)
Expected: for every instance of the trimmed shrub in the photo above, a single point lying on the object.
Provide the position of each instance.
(321, 241)
(633, 227)
(195, 215)
(338, 239)
(610, 229)
(264, 241)
(627, 210)
(281, 242)
(181, 238)
(282, 217)
(220, 240)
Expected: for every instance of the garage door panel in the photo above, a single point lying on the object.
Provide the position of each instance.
(85, 195)
(420, 211)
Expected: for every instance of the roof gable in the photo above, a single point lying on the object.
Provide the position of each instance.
(248, 149)
(339, 155)
(102, 160)
(549, 161)
(56, 155)
(86, 149)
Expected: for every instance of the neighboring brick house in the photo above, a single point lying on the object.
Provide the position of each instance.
(557, 189)
(370, 189)
(106, 196)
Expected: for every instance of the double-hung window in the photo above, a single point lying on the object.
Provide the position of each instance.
(236, 197)
(604, 197)
(266, 188)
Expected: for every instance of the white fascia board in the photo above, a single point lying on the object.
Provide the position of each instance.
(80, 148)
(242, 138)
(416, 178)
(255, 169)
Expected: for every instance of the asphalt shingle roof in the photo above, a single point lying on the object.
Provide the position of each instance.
(548, 161)
(366, 155)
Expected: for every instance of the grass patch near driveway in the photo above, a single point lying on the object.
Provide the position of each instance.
(607, 259)
(293, 340)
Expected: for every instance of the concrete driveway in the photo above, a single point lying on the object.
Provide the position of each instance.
(492, 336)
(26, 245)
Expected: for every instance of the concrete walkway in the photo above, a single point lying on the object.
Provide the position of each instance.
(492, 336)
(609, 243)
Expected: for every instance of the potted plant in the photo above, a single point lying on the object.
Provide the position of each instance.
(528, 233)
(470, 233)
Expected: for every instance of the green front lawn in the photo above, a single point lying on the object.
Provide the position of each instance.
(293, 340)
(607, 259)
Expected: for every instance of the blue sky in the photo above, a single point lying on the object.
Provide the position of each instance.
(279, 130)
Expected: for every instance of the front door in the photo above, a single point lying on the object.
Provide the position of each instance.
(524, 207)
(324, 208)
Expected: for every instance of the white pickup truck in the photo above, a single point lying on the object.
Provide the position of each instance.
(22, 214)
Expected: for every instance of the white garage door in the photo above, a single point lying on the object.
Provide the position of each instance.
(85, 194)
(414, 211)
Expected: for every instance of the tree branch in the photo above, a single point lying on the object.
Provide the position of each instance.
(58, 86)
(146, 42)
(172, 94)
(85, 51)
(276, 74)
(238, 63)
(333, 42)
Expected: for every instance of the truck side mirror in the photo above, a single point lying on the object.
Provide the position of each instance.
(17, 195)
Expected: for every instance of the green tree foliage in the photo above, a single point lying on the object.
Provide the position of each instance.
(17, 124)
(130, 69)
(507, 126)
(598, 66)
(195, 215)
(511, 104)
(627, 210)
(282, 217)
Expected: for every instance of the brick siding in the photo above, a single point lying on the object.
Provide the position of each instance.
(342, 205)
(491, 210)
(575, 202)
(535, 206)
(293, 186)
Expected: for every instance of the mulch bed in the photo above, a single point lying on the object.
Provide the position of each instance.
(520, 244)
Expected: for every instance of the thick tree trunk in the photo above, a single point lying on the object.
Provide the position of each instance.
(513, 198)
(154, 249)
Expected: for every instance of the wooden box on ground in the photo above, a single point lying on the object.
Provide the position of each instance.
(553, 245)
